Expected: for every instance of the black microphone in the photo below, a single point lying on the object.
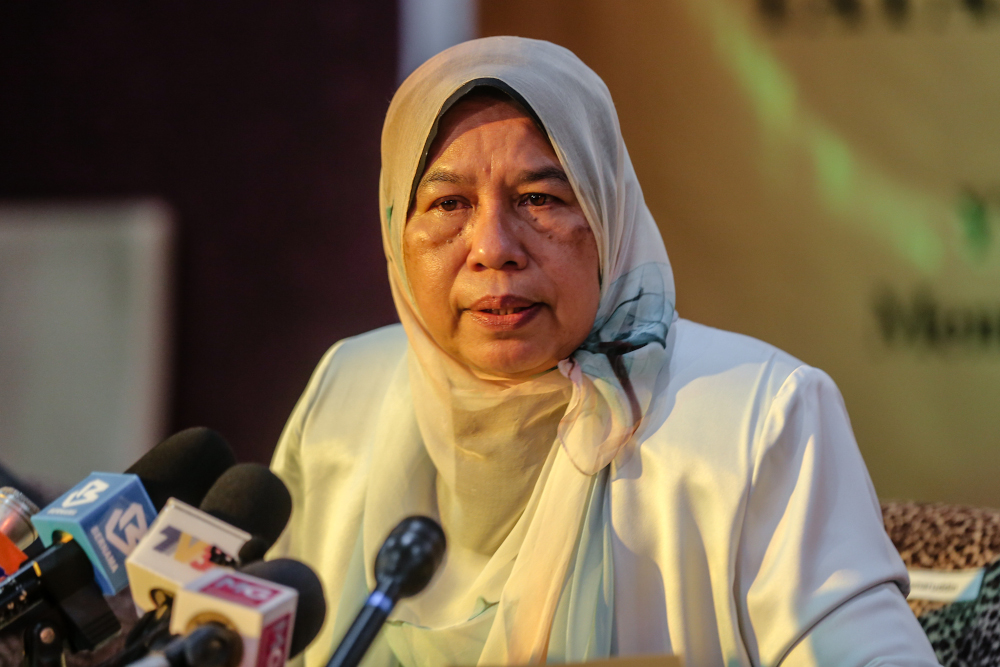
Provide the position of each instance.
(252, 498)
(186, 540)
(403, 567)
(110, 513)
(185, 466)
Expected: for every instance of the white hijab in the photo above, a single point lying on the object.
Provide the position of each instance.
(490, 439)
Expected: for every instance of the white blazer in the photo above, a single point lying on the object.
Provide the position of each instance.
(746, 530)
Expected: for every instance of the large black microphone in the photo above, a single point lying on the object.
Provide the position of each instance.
(254, 499)
(239, 519)
(403, 567)
(185, 466)
(311, 610)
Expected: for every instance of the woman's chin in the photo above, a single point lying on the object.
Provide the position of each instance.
(511, 364)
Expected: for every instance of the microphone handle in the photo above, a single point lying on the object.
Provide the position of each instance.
(209, 645)
(366, 625)
(155, 660)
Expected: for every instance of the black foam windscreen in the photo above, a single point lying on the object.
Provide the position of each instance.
(411, 554)
(184, 466)
(252, 498)
(311, 610)
(253, 550)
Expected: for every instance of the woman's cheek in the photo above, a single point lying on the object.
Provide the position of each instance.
(432, 264)
(432, 229)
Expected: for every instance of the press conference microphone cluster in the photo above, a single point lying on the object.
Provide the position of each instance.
(230, 619)
(108, 513)
(239, 518)
(57, 598)
(185, 527)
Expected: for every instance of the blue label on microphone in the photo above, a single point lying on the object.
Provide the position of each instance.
(107, 514)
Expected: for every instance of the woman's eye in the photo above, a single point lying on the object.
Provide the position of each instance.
(536, 199)
(448, 204)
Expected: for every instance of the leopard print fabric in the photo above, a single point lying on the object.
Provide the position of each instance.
(967, 634)
(953, 537)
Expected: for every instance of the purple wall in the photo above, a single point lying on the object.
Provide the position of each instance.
(259, 123)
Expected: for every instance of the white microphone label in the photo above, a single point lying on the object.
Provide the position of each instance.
(179, 547)
(945, 585)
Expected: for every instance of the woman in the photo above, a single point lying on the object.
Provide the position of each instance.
(612, 480)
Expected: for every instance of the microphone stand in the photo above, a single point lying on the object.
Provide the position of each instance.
(43, 643)
(403, 567)
(210, 645)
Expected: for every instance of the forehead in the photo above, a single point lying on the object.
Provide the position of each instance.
(475, 111)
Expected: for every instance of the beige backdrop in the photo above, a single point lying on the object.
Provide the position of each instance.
(829, 183)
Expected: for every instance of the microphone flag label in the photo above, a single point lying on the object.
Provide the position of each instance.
(107, 514)
(90, 493)
(262, 612)
(275, 642)
(11, 558)
(250, 592)
(180, 546)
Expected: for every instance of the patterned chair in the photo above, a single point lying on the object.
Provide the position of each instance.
(953, 537)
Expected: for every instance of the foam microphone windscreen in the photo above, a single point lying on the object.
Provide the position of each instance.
(311, 610)
(184, 466)
(251, 498)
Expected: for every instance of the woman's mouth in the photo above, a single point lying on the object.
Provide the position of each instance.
(504, 312)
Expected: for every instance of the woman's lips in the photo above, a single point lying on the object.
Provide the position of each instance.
(503, 312)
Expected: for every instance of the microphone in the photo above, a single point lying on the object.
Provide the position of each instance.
(403, 567)
(88, 531)
(263, 615)
(16, 530)
(254, 499)
(311, 610)
(109, 513)
(186, 469)
(239, 519)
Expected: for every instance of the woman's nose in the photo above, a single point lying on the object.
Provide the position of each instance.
(496, 242)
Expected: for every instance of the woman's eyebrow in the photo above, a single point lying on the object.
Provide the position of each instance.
(544, 174)
(441, 176)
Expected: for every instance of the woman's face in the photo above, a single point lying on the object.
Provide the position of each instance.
(501, 260)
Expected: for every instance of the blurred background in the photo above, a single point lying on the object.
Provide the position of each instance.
(188, 205)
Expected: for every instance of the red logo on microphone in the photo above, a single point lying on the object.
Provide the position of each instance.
(247, 592)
